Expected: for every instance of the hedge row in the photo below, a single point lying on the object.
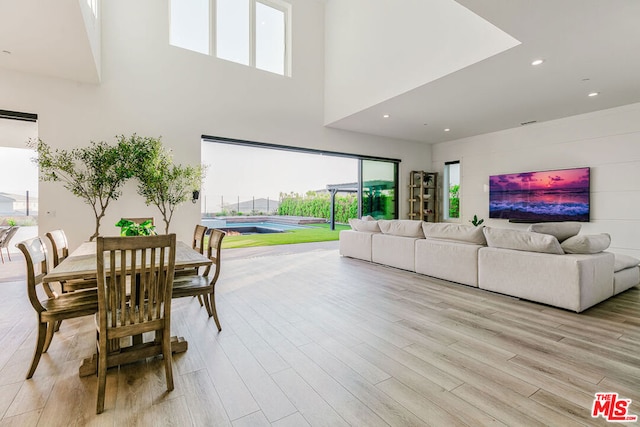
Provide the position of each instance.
(319, 206)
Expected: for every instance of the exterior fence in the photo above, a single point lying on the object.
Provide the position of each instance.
(230, 205)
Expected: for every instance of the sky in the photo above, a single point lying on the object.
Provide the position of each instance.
(248, 172)
(565, 178)
(18, 173)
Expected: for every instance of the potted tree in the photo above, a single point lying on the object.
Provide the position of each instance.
(95, 173)
(161, 182)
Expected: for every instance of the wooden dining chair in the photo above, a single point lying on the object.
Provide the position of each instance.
(53, 308)
(203, 285)
(60, 249)
(135, 283)
(197, 243)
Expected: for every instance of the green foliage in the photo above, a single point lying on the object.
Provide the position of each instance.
(318, 206)
(161, 182)
(454, 201)
(475, 221)
(12, 222)
(95, 173)
(130, 228)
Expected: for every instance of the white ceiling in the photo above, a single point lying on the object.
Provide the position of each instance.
(47, 38)
(588, 45)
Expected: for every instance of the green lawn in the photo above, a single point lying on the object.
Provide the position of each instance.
(317, 233)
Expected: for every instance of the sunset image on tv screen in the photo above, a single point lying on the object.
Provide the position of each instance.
(556, 195)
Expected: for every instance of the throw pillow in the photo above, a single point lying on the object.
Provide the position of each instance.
(623, 262)
(368, 226)
(586, 243)
(401, 227)
(459, 232)
(562, 230)
(368, 218)
(522, 240)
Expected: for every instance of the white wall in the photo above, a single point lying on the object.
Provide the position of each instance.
(607, 141)
(378, 49)
(154, 89)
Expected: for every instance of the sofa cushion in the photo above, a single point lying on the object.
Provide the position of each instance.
(455, 232)
(401, 227)
(586, 243)
(522, 240)
(562, 230)
(624, 261)
(364, 225)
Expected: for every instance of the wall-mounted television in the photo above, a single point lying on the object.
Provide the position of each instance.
(553, 195)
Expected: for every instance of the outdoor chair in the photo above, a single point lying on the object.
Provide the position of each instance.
(60, 249)
(203, 285)
(5, 239)
(135, 283)
(53, 308)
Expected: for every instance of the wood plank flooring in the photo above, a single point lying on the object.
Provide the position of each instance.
(316, 339)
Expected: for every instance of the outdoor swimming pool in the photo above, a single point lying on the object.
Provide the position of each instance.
(249, 227)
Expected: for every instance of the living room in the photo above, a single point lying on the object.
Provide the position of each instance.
(120, 75)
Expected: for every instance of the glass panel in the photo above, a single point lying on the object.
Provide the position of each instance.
(270, 38)
(379, 185)
(452, 190)
(232, 30)
(189, 26)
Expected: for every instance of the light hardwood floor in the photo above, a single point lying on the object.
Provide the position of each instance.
(316, 339)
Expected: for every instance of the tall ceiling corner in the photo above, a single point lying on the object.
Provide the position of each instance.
(55, 39)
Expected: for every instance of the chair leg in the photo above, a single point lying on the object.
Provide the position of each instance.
(51, 328)
(102, 380)
(9, 254)
(212, 301)
(1, 256)
(200, 299)
(166, 355)
(58, 324)
(42, 333)
(207, 305)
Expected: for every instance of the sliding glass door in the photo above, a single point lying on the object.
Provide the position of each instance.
(379, 189)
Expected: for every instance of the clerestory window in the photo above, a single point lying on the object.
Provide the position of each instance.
(256, 33)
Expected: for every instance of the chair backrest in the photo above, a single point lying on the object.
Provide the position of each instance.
(135, 282)
(4, 243)
(213, 251)
(3, 232)
(35, 255)
(198, 238)
(59, 246)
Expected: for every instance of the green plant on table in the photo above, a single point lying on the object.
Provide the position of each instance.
(130, 228)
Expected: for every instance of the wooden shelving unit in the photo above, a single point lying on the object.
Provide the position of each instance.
(423, 196)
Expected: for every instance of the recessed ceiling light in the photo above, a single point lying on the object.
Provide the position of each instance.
(592, 94)
(386, 116)
(537, 62)
(447, 130)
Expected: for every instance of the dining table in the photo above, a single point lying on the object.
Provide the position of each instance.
(82, 264)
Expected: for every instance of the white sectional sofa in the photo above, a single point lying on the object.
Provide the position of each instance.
(534, 265)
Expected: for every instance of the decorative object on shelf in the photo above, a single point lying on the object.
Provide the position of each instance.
(423, 196)
(130, 228)
(475, 221)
